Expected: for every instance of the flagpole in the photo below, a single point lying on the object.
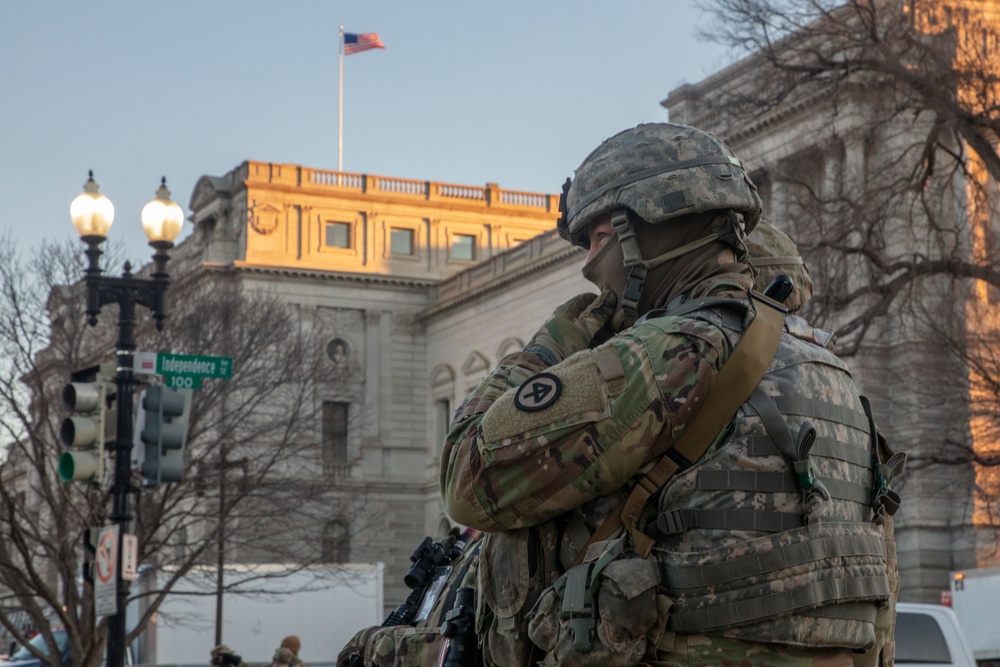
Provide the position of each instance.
(340, 112)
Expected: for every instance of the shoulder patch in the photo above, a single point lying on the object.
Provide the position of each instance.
(538, 392)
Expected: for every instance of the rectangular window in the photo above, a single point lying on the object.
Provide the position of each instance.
(334, 434)
(335, 546)
(400, 241)
(338, 235)
(442, 420)
(463, 247)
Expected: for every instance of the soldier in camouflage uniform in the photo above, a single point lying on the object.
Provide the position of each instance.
(769, 548)
(772, 254)
(223, 656)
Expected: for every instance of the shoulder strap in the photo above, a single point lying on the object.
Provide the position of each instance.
(737, 379)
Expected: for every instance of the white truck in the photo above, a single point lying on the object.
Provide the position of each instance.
(930, 635)
(974, 595)
(323, 608)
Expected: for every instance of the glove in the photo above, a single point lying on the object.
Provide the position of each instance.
(573, 326)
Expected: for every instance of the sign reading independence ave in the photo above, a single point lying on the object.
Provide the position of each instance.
(190, 365)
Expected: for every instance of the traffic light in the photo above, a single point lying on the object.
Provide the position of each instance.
(90, 396)
(164, 425)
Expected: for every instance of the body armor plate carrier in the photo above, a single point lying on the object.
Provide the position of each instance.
(772, 535)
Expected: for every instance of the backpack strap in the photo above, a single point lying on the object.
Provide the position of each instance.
(738, 377)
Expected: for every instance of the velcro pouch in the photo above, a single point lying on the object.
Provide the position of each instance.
(611, 624)
(509, 582)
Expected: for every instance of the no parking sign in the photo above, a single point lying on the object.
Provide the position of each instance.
(106, 571)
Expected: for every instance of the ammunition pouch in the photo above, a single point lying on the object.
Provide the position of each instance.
(604, 612)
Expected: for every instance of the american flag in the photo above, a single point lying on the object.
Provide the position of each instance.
(355, 43)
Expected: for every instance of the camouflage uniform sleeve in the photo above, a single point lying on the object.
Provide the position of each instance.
(618, 406)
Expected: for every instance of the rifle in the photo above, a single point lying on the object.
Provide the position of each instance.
(423, 577)
(460, 629)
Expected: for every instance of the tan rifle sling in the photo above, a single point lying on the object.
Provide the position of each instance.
(737, 379)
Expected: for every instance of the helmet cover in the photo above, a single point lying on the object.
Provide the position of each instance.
(659, 171)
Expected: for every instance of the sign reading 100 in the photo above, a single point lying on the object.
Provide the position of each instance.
(185, 371)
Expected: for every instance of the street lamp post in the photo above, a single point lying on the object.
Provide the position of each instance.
(92, 215)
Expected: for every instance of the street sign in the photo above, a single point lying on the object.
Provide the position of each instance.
(191, 365)
(145, 362)
(106, 572)
(130, 556)
(182, 381)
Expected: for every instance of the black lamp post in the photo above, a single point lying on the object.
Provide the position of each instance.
(92, 215)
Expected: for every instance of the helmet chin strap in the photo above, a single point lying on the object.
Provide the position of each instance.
(621, 221)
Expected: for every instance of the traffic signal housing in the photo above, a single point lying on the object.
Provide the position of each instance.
(89, 396)
(165, 416)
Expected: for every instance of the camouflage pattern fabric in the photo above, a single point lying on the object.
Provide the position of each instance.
(773, 253)
(620, 405)
(516, 471)
(284, 656)
(573, 325)
(218, 655)
(629, 618)
(706, 651)
(401, 646)
(661, 171)
(715, 576)
(219, 651)
(516, 567)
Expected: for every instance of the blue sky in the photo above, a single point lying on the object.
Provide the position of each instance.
(515, 93)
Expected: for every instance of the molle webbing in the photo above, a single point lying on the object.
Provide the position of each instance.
(778, 482)
(798, 405)
(727, 599)
(678, 521)
(772, 408)
(764, 445)
(826, 543)
(741, 612)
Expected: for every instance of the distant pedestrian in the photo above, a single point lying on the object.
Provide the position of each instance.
(287, 654)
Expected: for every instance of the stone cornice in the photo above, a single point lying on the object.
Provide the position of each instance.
(524, 262)
(374, 188)
(284, 272)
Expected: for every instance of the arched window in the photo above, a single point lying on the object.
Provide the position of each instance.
(336, 543)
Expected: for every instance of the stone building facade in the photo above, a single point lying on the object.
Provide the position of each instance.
(373, 260)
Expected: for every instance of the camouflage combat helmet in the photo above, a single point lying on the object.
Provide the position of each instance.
(659, 171)
(773, 253)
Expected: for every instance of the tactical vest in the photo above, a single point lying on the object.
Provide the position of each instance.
(771, 537)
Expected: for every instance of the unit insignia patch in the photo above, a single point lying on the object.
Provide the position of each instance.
(538, 392)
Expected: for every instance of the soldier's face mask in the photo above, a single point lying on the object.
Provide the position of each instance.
(606, 269)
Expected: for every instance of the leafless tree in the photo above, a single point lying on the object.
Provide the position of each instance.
(902, 238)
(254, 489)
(925, 74)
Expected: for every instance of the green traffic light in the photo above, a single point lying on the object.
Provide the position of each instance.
(77, 466)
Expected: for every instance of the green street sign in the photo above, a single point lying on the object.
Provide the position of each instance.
(182, 381)
(194, 366)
